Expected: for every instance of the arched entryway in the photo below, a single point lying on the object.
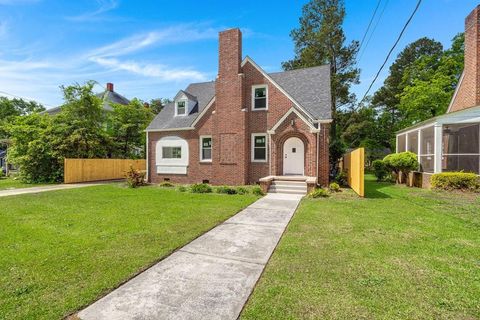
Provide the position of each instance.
(293, 157)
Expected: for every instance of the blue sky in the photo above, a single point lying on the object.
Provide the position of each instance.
(152, 49)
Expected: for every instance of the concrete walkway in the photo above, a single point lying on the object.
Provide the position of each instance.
(15, 192)
(209, 278)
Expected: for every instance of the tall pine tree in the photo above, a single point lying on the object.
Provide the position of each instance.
(320, 40)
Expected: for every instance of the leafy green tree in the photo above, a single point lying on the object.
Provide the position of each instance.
(80, 128)
(156, 105)
(429, 84)
(126, 128)
(320, 40)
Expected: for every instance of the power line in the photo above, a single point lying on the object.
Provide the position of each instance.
(18, 97)
(369, 25)
(391, 50)
(373, 31)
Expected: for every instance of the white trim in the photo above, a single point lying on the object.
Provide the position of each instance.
(252, 146)
(203, 112)
(186, 107)
(169, 129)
(201, 149)
(438, 137)
(456, 91)
(257, 86)
(248, 59)
(147, 158)
(323, 121)
(285, 116)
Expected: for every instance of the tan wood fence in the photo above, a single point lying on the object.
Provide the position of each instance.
(354, 166)
(85, 170)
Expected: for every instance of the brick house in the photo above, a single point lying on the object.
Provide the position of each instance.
(451, 142)
(247, 126)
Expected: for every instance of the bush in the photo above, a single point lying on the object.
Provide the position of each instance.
(456, 181)
(256, 190)
(334, 187)
(242, 190)
(226, 190)
(182, 188)
(319, 193)
(201, 188)
(341, 178)
(380, 169)
(135, 178)
(401, 162)
(166, 184)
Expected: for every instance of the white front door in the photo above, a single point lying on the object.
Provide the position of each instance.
(293, 157)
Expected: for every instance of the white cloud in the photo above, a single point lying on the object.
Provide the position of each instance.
(103, 7)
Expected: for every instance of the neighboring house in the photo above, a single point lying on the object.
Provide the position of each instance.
(451, 142)
(246, 125)
(108, 97)
(3, 161)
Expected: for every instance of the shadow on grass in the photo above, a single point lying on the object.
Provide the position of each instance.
(373, 189)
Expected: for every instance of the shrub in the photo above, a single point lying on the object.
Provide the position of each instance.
(201, 188)
(166, 184)
(341, 178)
(334, 187)
(182, 188)
(226, 190)
(242, 190)
(256, 190)
(380, 169)
(401, 162)
(319, 193)
(1, 173)
(456, 181)
(135, 178)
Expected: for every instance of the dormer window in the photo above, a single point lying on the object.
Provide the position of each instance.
(259, 97)
(181, 108)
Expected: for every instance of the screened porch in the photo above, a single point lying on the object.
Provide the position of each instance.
(450, 142)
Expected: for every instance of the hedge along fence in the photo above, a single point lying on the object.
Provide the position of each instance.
(354, 166)
(86, 170)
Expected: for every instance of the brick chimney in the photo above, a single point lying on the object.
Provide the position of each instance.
(229, 129)
(468, 91)
(110, 87)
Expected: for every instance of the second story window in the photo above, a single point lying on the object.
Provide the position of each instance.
(259, 97)
(181, 108)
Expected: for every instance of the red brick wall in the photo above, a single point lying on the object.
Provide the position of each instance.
(231, 122)
(468, 92)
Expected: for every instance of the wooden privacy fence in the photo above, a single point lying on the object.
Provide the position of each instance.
(85, 170)
(354, 165)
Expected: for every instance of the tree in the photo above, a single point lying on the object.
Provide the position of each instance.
(156, 105)
(79, 129)
(320, 40)
(387, 98)
(429, 84)
(126, 128)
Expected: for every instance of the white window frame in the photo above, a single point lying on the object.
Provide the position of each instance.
(171, 165)
(201, 149)
(252, 142)
(253, 96)
(163, 155)
(176, 108)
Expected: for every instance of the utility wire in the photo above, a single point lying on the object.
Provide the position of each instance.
(18, 97)
(369, 25)
(391, 50)
(373, 31)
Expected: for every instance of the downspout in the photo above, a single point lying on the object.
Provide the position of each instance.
(269, 154)
(147, 158)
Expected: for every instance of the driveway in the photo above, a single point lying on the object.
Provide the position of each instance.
(209, 278)
(15, 192)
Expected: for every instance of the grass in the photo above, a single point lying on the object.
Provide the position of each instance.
(400, 253)
(10, 183)
(61, 250)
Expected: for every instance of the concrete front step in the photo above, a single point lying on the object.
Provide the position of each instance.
(287, 190)
(282, 184)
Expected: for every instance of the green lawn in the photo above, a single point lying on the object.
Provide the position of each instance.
(401, 253)
(10, 183)
(61, 250)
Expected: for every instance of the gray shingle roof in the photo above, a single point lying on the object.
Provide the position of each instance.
(203, 93)
(309, 87)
